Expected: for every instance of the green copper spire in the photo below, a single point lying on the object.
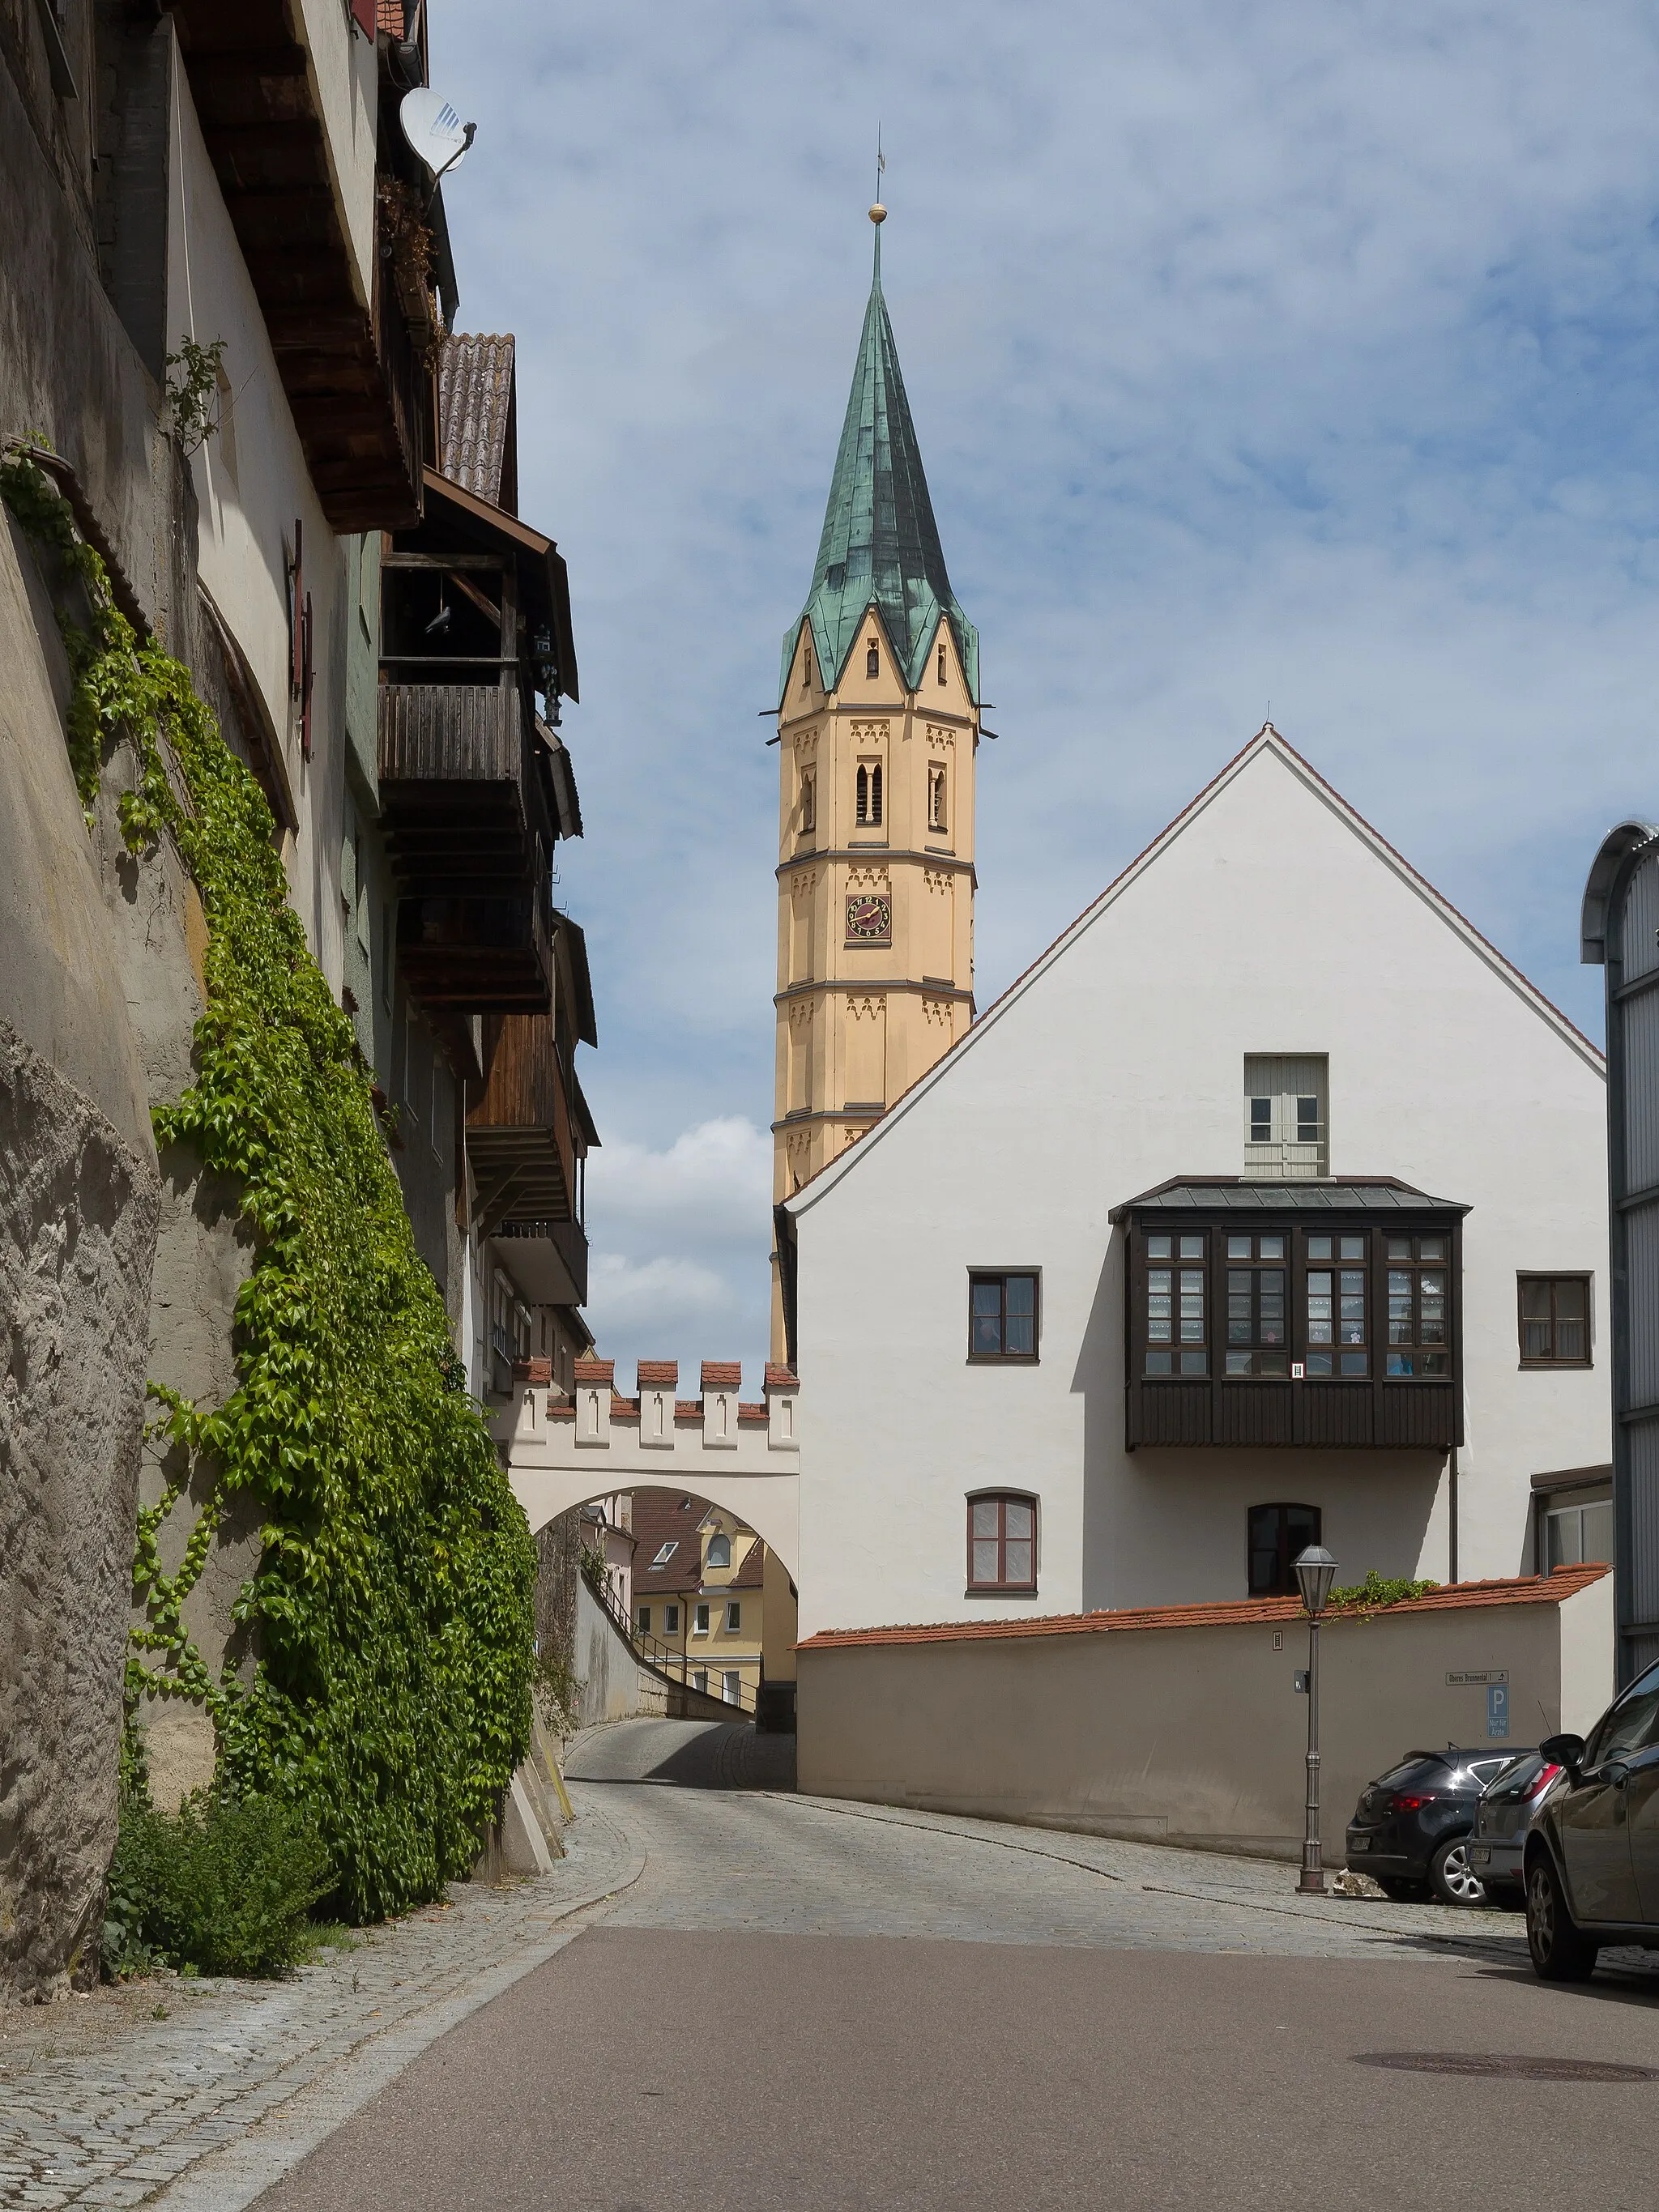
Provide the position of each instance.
(880, 544)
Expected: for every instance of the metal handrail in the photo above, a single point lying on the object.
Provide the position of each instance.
(646, 1646)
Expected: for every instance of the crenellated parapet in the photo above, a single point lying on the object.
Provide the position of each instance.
(744, 1454)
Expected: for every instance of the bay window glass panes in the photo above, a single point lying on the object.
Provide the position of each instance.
(1261, 1121)
(1173, 1323)
(1307, 1121)
(1419, 1321)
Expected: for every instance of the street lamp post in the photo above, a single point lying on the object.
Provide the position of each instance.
(1316, 1570)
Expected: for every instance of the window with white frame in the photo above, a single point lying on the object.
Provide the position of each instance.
(719, 1549)
(670, 1620)
(733, 1617)
(1286, 1115)
(699, 1621)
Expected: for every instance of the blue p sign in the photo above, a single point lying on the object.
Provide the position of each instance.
(1498, 1709)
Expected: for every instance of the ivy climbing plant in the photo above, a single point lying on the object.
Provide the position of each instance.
(390, 1615)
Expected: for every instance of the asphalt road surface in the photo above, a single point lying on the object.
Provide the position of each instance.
(807, 2008)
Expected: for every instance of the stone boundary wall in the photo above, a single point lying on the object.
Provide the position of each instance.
(1191, 1732)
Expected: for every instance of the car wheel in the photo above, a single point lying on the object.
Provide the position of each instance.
(1451, 1877)
(1402, 1893)
(1560, 1952)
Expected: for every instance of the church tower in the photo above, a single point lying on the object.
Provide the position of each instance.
(878, 724)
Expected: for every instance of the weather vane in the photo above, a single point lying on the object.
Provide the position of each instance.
(877, 212)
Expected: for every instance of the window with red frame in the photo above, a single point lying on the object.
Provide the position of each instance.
(1002, 1542)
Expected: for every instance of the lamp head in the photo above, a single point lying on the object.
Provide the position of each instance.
(1316, 1570)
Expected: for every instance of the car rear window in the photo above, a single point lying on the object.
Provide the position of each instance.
(1485, 1771)
(1416, 1766)
(1516, 1779)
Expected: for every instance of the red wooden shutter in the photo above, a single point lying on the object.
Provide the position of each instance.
(295, 625)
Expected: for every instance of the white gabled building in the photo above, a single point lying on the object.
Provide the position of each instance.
(1269, 1202)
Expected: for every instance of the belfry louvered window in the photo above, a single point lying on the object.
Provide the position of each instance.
(869, 793)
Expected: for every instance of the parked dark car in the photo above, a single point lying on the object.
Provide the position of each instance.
(1508, 1807)
(1410, 1830)
(1592, 1854)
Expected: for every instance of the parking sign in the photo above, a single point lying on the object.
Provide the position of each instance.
(1498, 1709)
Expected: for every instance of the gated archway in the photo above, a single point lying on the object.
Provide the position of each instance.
(743, 1457)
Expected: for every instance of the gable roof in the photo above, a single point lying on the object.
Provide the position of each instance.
(1266, 741)
(880, 544)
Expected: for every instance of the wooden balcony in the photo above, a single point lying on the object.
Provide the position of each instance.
(519, 1136)
(471, 954)
(547, 1261)
(455, 765)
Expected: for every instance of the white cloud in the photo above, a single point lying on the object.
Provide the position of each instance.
(681, 1243)
(1296, 352)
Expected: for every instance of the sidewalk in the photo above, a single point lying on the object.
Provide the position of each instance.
(103, 2104)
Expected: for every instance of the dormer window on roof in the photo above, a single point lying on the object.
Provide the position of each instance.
(666, 1553)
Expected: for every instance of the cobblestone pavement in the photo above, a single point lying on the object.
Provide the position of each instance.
(240, 2078)
(102, 2104)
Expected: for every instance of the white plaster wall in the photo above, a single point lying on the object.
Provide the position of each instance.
(247, 518)
(1266, 922)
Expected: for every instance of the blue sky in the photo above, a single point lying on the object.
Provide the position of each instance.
(1300, 353)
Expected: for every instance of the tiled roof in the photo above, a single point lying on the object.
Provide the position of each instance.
(1242, 1194)
(389, 15)
(474, 416)
(1242, 1613)
(752, 1568)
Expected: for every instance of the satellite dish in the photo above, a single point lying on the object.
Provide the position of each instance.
(434, 129)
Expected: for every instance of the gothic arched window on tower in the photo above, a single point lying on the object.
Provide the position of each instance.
(809, 804)
(807, 668)
(935, 795)
(869, 793)
(872, 658)
(941, 664)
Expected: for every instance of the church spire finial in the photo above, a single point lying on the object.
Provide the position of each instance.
(877, 212)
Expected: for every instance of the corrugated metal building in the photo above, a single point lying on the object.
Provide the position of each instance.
(1620, 930)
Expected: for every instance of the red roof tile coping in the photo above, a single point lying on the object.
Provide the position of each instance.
(1231, 1613)
(561, 1409)
(533, 1372)
(721, 1374)
(747, 1412)
(624, 1409)
(781, 1378)
(594, 1371)
(688, 1409)
(658, 1374)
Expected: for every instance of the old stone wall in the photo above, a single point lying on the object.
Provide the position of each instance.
(79, 1197)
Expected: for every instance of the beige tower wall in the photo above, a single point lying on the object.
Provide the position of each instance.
(862, 1018)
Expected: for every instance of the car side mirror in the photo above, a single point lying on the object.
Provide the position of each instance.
(1566, 1751)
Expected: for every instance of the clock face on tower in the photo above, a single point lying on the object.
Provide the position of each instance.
(869, 918)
